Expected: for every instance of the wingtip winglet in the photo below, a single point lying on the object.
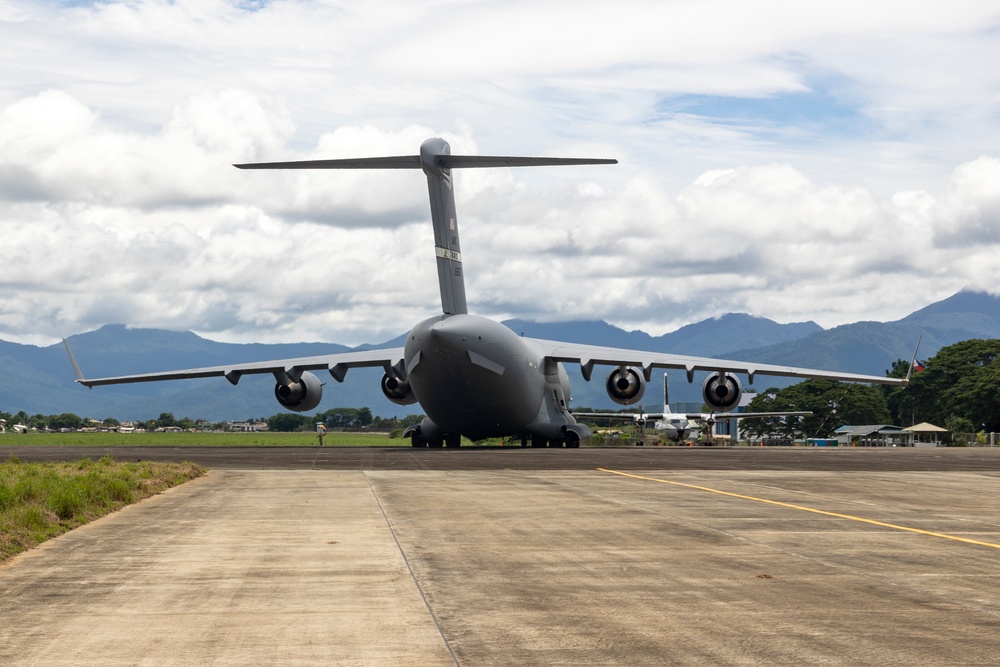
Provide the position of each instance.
(76, 367)
(913, 361)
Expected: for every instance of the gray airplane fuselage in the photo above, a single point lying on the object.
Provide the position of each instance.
(475, 376)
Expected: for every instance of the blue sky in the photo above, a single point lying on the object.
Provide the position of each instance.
(825, 111)
(838, 164)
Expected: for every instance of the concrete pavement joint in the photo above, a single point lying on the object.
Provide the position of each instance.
(413, 575)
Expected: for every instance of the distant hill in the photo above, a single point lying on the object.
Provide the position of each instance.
(40, 380)
(710, 337)
(966, 312)
(872, 347)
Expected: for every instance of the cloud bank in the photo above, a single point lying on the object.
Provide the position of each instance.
(834, 166)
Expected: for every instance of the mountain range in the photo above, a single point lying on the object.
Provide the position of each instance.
(40, 379)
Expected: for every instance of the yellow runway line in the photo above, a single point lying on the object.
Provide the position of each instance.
(802, 508)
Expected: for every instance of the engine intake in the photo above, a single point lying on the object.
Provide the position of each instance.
(722, 392)
(398, 391)
(299, 396)
(625, 385)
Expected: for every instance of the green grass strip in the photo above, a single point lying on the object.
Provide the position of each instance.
(210, 439)
(199, 439)
(39, 501)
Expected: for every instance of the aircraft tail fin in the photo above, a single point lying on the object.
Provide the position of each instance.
(436, 161)
(666, 396)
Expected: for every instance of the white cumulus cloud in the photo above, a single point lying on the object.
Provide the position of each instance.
(837, 164)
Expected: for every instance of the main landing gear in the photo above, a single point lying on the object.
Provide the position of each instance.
(571, 440)
(451, 440)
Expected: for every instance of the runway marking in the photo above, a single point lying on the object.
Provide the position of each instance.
(803, 508)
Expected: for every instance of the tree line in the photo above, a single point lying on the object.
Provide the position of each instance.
(336, 418)
(340, 418)
(959, 386)
(958, 389)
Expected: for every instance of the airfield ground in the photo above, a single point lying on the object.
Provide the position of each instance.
(499, 557)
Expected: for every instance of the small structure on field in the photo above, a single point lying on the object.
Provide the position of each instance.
(925, 434)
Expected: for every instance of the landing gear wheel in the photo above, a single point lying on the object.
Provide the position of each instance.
(453, 440)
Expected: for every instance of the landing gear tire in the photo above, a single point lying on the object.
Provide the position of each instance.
(453, 440)
(555, 443)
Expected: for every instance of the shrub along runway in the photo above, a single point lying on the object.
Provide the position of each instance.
(478, 557)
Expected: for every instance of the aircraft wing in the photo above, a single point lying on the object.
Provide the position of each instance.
(336, 364)
(623, 416)
(590, 355)
(749, 415)
(694, 416)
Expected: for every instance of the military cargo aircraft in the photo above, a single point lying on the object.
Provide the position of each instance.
(472, 376)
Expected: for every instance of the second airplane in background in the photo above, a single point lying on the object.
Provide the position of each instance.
(677, 426)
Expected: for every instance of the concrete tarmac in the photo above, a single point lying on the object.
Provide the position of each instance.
(517, 458)
(525, 566)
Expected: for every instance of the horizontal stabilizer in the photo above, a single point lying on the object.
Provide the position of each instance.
(413, 162)
(474, 161)
(398, 162)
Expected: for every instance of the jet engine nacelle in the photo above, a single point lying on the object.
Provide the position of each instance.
(722, 392)
(625, 386)
(398, 391)
(299, 396)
